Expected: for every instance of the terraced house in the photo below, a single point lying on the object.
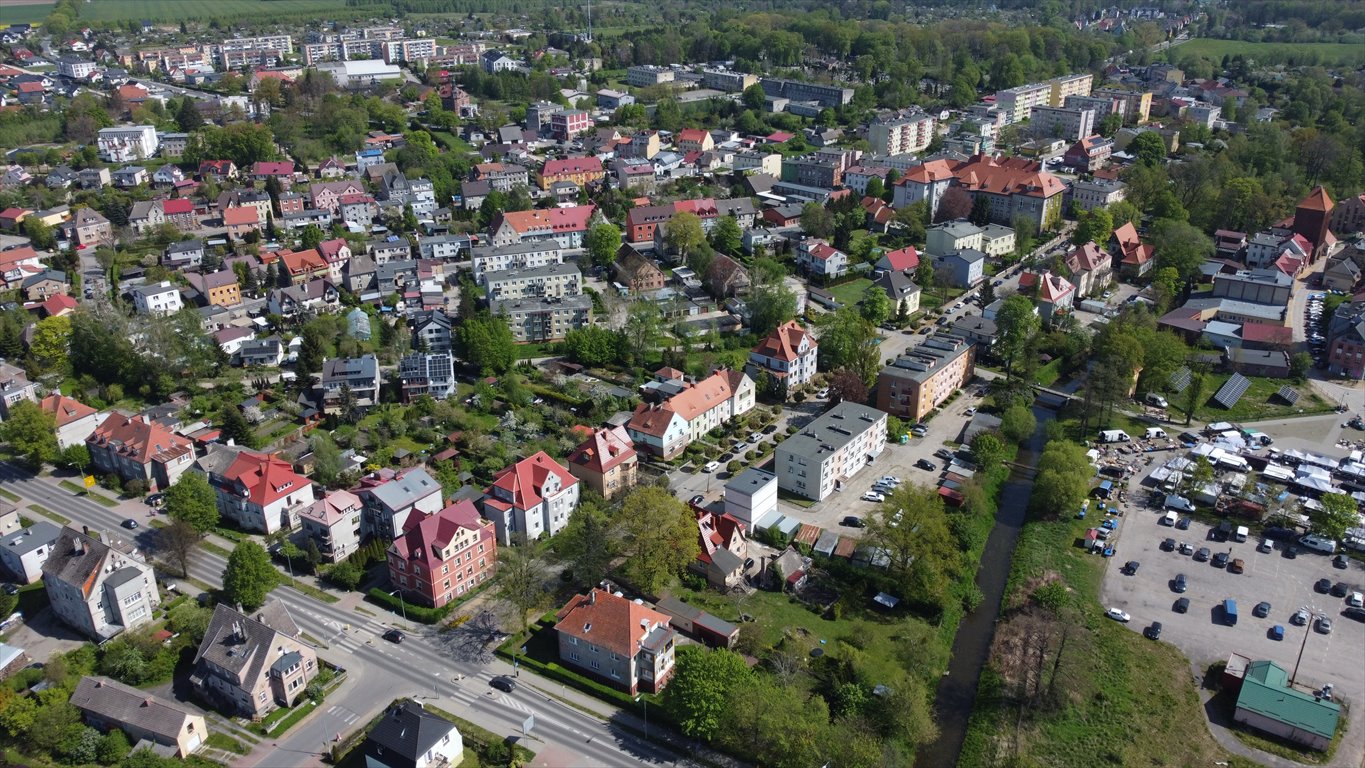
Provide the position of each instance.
(442, 556)
(665, 429)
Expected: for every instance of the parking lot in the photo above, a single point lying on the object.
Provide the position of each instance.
(1203, 635)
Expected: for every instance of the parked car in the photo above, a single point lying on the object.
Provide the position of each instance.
(1358, 614)
(1153, 632)
(1261, 610)
(1341, 589)
(944, 453)
(1236, 566)
(919, 430)
(156, 500)
(1277, 632)
(823, 393)
(1220, 560)
(1356, 600)
(853, 521)
(890, 480)
(1168, 545)
(1182, 605)
(1186, 548)
(711, 466)
(1299, 618)
(873, 496)
(1183, 524)
(1202, 554)
(1265, 546)
(1131, 567)
(1179, 584)
(926, 465)
(1324, 624)
(1118, 615)
(1340, 561)
(1322, 586)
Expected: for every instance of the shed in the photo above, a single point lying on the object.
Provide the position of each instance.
(1269, 703)
(691, 620)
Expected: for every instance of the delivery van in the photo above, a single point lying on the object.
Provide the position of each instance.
(1156, 400)
(1114, 436)
(1230, 612)
(1170, 519)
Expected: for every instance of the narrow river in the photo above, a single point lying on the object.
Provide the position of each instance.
(957, 690)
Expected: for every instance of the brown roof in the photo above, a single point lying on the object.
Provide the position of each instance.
(65, 409)
(608, 621)
(1086, 258)
(783, 343)
(241, 215)
(706, 394)
(139, 439)
(1011, 176)
(605, 449)
(1317, 200)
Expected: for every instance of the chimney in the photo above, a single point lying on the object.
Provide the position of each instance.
(592, 597)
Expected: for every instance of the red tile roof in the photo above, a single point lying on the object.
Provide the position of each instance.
(1133, 250)
(422, 533)
(241, 215)
(695, 135)
(1267, 333)
(902, 259)
(1317, 200)
(571, 165)
(608, 621)
(716, 532)
(58, 305)
(784, 341)
(574, 219)
(265, 168)
(1053, 288)
(1011, 176)
(1086, 258)
(925, 173)
(265, 478)
(65, 410)
(525, 480)
(302, 262)
(177, 206)
(822, 250)
(139, 439)
(605, 449)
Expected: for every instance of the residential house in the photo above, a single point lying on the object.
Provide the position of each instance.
(820, 258)
(240, 221)
(787, 356)
(99, 588)
(694, 140)
(442, 556)
(326, 195)
(88, 228)
(61, 177)
(389, 497)
(358, 211)
(184, 254)
(1056, 295)
(74, 420)
(636, 272)
(665, 429)
(158, 299)
(579, 170)
(1091, 268)
(964, 268)
(409, 736)
(218, 289)
(144, 718)
(619, 641)
(360, 375)
(136, 449)
(218, 170)
(1346, 341)
(250, 663)
(256, 491)
(924, 376)
(23, 552)
(1088, 195)
(427, 373)
(533, 497)
(145, 216)
(901, 289)
(1135, 258)
(267, 352)
(431, 331)
(726, 277)
(927, 182)
(14, 388)
(606, 462)
(1089, 154)
(129, 176)
(636, 177)
(830, 450)
(956, 235)
(333, 523)
(94, 178)
(282, 171)
(167, 175)
(565, 227)
(724, 548)
(45, 284)
(503, 177)
(751, 497)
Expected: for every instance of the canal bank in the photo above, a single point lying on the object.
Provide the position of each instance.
(956, 692)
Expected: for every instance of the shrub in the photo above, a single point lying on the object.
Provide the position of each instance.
(418, 613)
(135, 487)
(733, 467)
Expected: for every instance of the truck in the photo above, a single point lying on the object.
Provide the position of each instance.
(1114, 436)
(1230, 612)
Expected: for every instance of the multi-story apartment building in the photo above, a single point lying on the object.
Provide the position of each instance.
(535, 319)
(539, 114)
(1062, 122)
(646, 75)
(218, 289)
(502, 177)
(926, 375)
(758, 161)
(416, 49)
(127, 143)
(23, 552)
(333, 523)
(549, 281)
(727, 80)
(577, 170)
(75, 67)
(568, 123)
(901, 133)
(1017, 103)
(427, 373)
(389, 497)
(620, 641)
(606, 462)
(533, 497)
(515, 257)
(99, 587)
(137, 449)
(925, 181)
(1102, 105)
(565, 227)
(256, 491)
(666, 428)
(442, 556)
(831, 96)
(1137, 105)
(1013, 187)
(249, 664)
(788, 355)
(267, 50)
(830, 450)
(1069, 85)
(1346, 341)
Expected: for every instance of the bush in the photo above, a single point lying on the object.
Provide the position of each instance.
(345, 574)
(418, 613)
(733, 467)
(135, 487)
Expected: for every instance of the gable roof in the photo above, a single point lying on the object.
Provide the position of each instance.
(265, 478)
(422, 532)
(572, 219)
(570, 165)
(608, 621)
(1053, 287)
(784, 341)
(1266, 691)
(268, 168)
(242, 643)
(301, 262)
(76, 559)
(605, 449)
(525, 480)
(1131, 248)
(1011, 176)
(114, 702)
(409, 731)
(65, 410)
(900, 259)
(140, 440)
(236, 216)
(177, 205)
(706, 394)
(1086, 258)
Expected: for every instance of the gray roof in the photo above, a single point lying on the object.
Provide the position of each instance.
(831, 431)
(25, 541)
(218, 458)
(959, 228)
(921, 362)
(401, 492)
(240, 643)
(535, 304)
(1263, 276)
(548, 270)
(74, 557)
(750, 480)
(975, 325)
(408, 730)
(366, 366)
(123, 576)
(185, 246)
(968, 255)
(1248, 309)
(116, 703)
(897, 285)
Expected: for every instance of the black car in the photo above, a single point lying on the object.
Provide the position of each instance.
(1189, 437)
(1278, 533)
(1153, 632)
(503, 683)
(1182, 605)
(1261, 610)
(1341, 589)
(1291, 552)
(698, 499)
(156, 500)
(853, 521)
(1322, 586)
(1179, 585)
(1220, 560)
(1183, 524)
(1354, 613)
(944, 453)
(1131, 567)
(1339, 561)
(1201, 554)
(926, 465)
(393, 636)
(130, 524)
(1168, 545)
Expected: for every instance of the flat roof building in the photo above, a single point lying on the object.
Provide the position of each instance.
(827, 452)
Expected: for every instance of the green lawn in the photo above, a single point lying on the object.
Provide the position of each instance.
(25, 14)
(451, 142)
(851, 293)
(1326, 54)
(1258, 403)
(162, 11)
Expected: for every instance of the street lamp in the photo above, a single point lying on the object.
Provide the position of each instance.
(1307, 630)
(401, 605)
(644, 704)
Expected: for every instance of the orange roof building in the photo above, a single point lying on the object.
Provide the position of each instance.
(788, 355)
(1134, 256)
(667, 428)
(606, 461)
(137, 449)
(260, 492)
(531, 498)
(74, 420)
(622, 642)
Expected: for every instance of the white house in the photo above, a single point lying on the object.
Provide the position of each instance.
(99, 588)
(410, 737)
(788, 355)
(820, 258)
(161, 298)
(532, 497)
(127, 143)
(667, 428)
(255, 491)
(751, 496)
(23, 552)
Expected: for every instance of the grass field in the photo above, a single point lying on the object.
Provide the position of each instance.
(162, 11)
(25, 13)
(850, 293)
(1273, 53)
(1258, 403)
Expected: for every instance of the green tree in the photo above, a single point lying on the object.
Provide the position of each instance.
(848, 340)
(50, 348)
(1016, 325)
(487, 343)
(187, 116)
(875, 188)
(726, 236)
(1110, 124)
(754, 97)
(310, 237)
(593, 346)
(176, 542)
(817, 220)
(697, 697)
(234, 425)
(523, 580)
(1299, 364)
(249, 575)
(192, 500)
(1338, 513)
(1148, 147)
(589, 543)
(1017, 423)
(1063, 479)
(602, 242)
(644, 325)
(875, 306)
(659, 538)
(771, 302)
(39, 232)
(683, 234)
(1180, 245)
(911, 528)
(31, 433)
(1093, 226)
(990, 449)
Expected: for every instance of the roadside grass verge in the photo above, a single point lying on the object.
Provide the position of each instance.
(9, 496)
(220, 740)
(79, 490)
(45, 512)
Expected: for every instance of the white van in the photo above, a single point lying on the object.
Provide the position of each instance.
(1155, 433)
(1156, 400)
(1241, 533)
(1318, 544)
(1169, 518)
(1114, 436)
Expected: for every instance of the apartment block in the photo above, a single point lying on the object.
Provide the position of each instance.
(901, 133)
(520, 256)
(727, 80)
(794, 90)
(826, 454)
(544, 319)
(646, 75)
(926, 375)
(1062, 122)
(549, 281)
(1069, 85)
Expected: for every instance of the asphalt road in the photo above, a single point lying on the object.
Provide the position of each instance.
(380, 671)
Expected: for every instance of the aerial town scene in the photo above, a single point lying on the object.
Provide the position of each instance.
(766, 384)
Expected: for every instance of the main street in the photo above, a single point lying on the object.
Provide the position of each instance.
(379, 671)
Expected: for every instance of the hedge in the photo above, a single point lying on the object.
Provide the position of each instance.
(418, 613)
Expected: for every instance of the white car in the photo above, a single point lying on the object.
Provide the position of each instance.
(1118, 615)
(711, 466)
(970, 411)
(1356, 600)
(890, 480)
(873, 496)
(755, 439)
(822, 394)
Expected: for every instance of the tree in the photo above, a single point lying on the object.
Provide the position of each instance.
(754, 97)
(1299, 364)
(51, 343)
(1094, 226)
(981, 211)
(848, 340)
(771, 302)
(249, 575)
(659, 538)
(187, 116)
(1180, 245)
(913, 218)
(875, 188)
(39, 232)
(310, 237)
(487, 343)
(177, 542)
(603, 240)
(697, 696)
(31, 433)
(817, 220)
(1202, 474)
(911, 528)
(593, 345)
(1063, 479)
(956, 203)
(1110, 124)
(1338, 513)
(1017, 423)
(523, 580)
(1197, 390)
(644, 324)
(589, 543)
(1148, 147)
(726, 236)
(875, 306)
(683, 234)
(1016, 324)
(192, 500)
(990, 449)
(986, 293)
(847, 386)
(234, 426)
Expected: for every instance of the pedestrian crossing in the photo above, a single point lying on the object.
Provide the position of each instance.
(346, 716)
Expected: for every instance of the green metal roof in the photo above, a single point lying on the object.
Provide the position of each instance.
(1266, 691)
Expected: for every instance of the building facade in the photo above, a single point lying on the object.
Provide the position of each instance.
(830, 450)
(925, 376)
